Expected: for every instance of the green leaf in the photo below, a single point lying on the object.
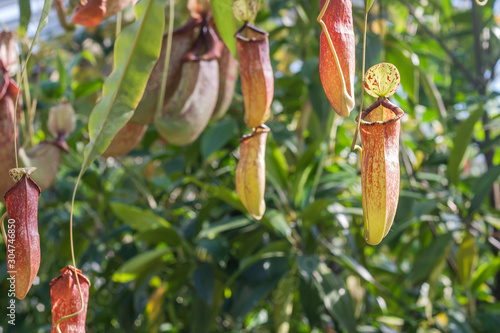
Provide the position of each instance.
(204, 282)
(337, 299)
(311, 301)
(86, 88)
(162, 234)
(483, 187)
(225, 22)
(63, 76)
(276, 166)
(44, 19)
(24, 17)
(136, 51)
(283, 302)
(430, 257)
(276, 221)
(223, 226)
(136, 218)
(484, 272)
(276, 249)
(397, 54)
(134, 267)
(368, 5)
(463, 138)
(220, 192)
(466, 259)
(200, 316)
(316, 211)
(433, 94)
(216, 136)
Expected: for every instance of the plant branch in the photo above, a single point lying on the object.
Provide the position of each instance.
(480, 83)
(61, 15)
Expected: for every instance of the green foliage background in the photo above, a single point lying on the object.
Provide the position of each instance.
(168, 248)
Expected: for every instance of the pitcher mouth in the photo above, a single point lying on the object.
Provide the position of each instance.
(398, 112)
(261, 129)
(260, 35)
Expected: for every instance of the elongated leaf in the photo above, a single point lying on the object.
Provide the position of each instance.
(337, 300)
(44, 19)
(139, 219)
(224, 20)
(483, 187)
(276, 221)
(216, 136)
(311, 301)
(220, 192)
(223, 226)
(135, 266)
(204, 282)
(24, 16)
(277, 249)
(162, 234)
(283, 302)
(256, 282)
(368, 5)
(430, 257)
(484, 272)
(276, 166)
(137, 48)
(433, 94)
(466, 260)
(461, 141)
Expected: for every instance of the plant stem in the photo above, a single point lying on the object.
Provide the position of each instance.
(166, 60)
(355, 139)
(118, 23)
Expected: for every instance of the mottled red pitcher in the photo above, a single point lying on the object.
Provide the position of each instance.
(379, 128)
(66, 300)
(21, 201)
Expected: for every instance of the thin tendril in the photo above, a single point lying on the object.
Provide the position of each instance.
(73, 256)
(23, 72)
(353, 145)
(166, 60)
